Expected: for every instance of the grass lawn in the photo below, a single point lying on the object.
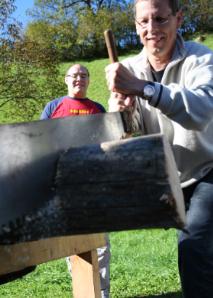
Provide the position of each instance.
(143, 263)
(208, 40)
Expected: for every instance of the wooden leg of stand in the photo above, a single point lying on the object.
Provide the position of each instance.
(85, 275)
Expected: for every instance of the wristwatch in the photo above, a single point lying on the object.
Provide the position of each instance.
(148, 91)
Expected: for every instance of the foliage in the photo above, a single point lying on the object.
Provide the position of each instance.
(61, 36)
(66, 6)
(28, 76)
(88, 20)
(6, 9)
(198, 16)
(28, 70)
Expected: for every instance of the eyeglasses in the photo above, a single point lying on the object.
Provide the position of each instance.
(75, 75)
(159, 21)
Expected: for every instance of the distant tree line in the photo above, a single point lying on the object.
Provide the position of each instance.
(198, 17)
(75, 28)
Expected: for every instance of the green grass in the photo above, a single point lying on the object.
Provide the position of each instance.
(208, 40)
(143, 263)
(48, 280)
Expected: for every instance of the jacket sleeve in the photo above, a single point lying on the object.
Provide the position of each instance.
(189, 102)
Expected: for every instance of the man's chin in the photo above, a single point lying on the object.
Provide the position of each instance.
(157, 51)
(79, 95)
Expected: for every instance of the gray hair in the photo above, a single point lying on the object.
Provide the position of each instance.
(173, 4)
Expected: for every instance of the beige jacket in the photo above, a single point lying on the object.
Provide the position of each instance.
(184, 110)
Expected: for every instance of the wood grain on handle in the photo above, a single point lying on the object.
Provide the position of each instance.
(111, 47)
(113, 56)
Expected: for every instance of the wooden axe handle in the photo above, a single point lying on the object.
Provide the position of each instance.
(111, 47)
(113, 56)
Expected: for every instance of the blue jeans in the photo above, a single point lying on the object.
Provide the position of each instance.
(195, 248)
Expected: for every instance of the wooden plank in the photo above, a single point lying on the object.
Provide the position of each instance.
(18, 256)
(85, 275)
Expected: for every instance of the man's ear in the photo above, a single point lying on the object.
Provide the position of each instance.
(179, 18)
(66, 80)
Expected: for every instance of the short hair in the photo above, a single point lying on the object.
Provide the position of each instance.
(80, 66)
(174, 5)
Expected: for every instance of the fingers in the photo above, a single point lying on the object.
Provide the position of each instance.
(129, 101)
(116, 76)
(116, 102)
(121, 80)
(119, 102)
(111, 73)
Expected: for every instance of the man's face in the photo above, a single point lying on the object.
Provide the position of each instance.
(157, 26)
(77, 80)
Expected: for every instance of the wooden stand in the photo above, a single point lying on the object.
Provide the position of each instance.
(85, 273)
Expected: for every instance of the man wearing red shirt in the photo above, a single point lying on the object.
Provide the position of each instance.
(75, 103)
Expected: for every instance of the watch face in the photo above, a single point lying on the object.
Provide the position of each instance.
(149, 90)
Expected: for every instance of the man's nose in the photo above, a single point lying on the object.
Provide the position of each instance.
(151, 25)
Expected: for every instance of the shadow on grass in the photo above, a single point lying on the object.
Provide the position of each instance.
(168, 295)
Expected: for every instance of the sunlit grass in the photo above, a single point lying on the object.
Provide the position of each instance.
(143, 264)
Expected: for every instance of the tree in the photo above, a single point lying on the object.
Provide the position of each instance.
(48, 8)
(91, 27)
(198, 16)
(89, 19)
(61, 36)
(29, 74)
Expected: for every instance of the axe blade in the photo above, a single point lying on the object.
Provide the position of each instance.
(29, 153)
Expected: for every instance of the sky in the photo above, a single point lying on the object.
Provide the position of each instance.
(20, 13)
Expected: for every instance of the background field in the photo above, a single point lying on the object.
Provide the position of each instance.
(143, 263)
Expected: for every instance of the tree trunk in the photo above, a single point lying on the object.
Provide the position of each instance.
(120, 185)
(113, 186)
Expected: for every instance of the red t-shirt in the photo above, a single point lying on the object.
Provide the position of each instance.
(67, 106)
